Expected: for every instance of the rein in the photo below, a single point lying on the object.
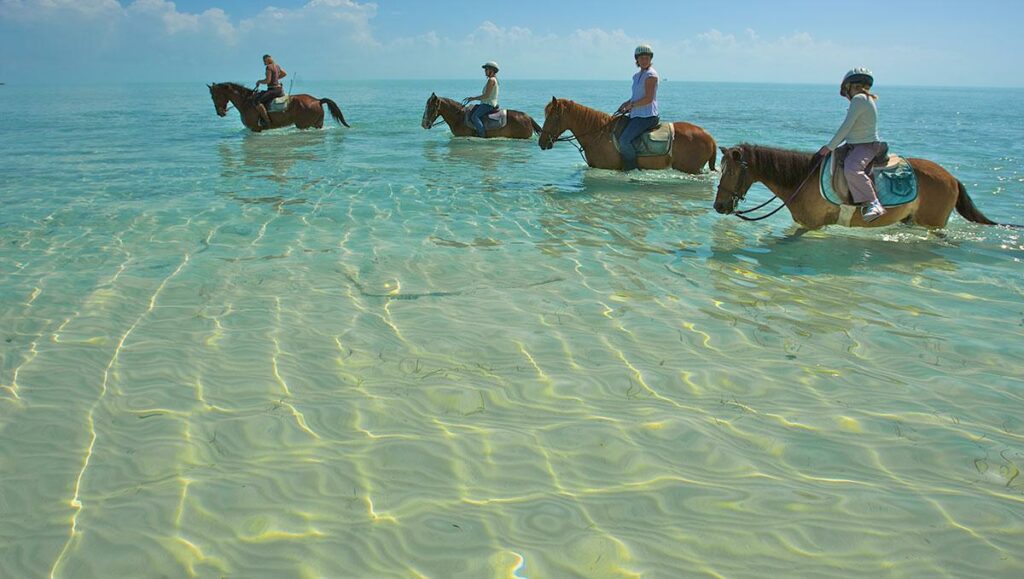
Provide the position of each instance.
(743, 214)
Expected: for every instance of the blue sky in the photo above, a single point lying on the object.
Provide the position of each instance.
(937, 42)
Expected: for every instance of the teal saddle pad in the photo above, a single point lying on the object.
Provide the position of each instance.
(895, 186)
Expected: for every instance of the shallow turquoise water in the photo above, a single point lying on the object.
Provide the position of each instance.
(387, 352)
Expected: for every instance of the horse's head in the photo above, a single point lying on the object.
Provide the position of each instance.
(431, 111)
(553, 123)
(219, 94)
(735, 180)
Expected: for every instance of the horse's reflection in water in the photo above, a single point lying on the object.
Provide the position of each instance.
(488, 163)
(271, 157)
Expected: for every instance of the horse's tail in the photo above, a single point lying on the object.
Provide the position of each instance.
(714, 153)
(536, 128)
(965, 207)
(335, 111)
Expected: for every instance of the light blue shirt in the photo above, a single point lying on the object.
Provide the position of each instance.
(639, 92)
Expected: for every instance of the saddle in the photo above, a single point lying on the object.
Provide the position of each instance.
(279, 104)
(894, 179)
(496, 120)
(656, 142)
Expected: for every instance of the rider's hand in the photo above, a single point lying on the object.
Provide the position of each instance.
(466, 100)
(260, 81)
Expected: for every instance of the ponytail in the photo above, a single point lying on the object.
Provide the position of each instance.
(859, 87)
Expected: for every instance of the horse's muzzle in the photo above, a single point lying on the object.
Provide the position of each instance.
(545, 144)
(222, 112)
(724, 207)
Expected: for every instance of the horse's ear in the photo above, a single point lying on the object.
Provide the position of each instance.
(553, 99)
(433, 94)
(736, 155)
(723, 150)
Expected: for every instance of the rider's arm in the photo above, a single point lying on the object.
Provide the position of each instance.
(855, 110)
(650, 91)
(283, 74)
(487, 87)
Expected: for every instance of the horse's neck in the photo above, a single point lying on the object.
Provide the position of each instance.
(240, 99)
(451, 111)
(587, 123)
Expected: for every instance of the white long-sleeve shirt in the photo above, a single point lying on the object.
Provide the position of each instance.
(861, 124)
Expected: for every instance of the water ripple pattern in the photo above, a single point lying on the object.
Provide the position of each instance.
(388, 352)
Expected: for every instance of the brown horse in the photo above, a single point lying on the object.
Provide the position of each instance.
(519, 126)
(303, 111)
(794, 177)
(692, 146)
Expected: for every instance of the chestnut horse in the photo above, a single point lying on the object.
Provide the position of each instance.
(795, 178)
(519, 126)
(692, 146)
(304, 111)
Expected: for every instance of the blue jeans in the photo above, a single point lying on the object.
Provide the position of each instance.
(477, 118)
(636, 127)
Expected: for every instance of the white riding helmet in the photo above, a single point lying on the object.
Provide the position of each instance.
(643, 49)
(491, 64)
(859, 75)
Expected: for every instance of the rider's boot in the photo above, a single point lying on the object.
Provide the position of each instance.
(264, 117)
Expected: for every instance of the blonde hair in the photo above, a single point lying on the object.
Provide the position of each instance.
(861, 87)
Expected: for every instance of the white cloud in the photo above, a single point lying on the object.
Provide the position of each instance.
(327, 39)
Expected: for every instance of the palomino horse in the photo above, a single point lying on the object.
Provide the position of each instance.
(303, 111)
(692, 146)
(519, 126)
(794, 177)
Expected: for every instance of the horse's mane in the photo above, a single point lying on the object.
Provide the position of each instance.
(783, 166)
(236, 87)
(592, 119)
(451, 102)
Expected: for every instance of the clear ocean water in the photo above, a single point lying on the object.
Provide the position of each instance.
(387, 352)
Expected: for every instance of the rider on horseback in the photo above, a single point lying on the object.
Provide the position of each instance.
(274, 89)
(860, 131)
(488, 99)
(642, 106)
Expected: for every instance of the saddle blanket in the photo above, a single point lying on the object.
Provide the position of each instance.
(656, 142)
(495, 120)
(895, 183)
(279, 104)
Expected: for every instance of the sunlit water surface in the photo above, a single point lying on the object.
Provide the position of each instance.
(384, 351)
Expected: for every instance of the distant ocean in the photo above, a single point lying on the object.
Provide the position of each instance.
(385, 351)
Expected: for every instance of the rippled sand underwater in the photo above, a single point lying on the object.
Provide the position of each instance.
(386, 352)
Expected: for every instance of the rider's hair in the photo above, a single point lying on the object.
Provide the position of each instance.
(266, 56)
(862, 87)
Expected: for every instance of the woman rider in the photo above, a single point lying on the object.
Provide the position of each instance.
(274, 89)
(488, 99)
(642, 106)
(860, 131)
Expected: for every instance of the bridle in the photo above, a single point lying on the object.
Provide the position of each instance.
(737, 196)
(574, 139)
(438, 118)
